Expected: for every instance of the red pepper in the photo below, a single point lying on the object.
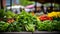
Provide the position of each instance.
(45, 18)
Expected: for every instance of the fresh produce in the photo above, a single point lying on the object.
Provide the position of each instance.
(3, 26)
(45, 26)
(16, 17)
(44, 17)
(10, 27)
(9, 14)
(10, 20)
(54, 14)
(26, 18)
(30, 27)
(56, 25)
(2, 13)
(14, 27)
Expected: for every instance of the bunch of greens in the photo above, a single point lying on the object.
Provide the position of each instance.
(30, 27)
(48, 25)
(3, 26)
(9, 14)
(10, 27)
(16, 17)
(14, 27)
(2, 13)
(26, 19)
(45, 26)
(56, 25)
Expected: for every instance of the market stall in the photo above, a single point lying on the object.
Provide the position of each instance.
(26, 23)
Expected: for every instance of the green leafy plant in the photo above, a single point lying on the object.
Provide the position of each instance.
(26, 18)
(30, 27)
(3, 26)
(45, 26)
(9, 14)
(56, 25)
(14, 27)
(2, 13)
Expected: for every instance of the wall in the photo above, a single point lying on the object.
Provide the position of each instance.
(4, 3)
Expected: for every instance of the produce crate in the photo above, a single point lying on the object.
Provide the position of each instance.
(36, 32)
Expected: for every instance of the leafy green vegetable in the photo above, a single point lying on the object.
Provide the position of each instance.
(3, 26)
(45, 25)
(9, 14)
(30, 27)
(16, 17)
(26, 18)
(15, 26)
(2, 13)
(56, 25)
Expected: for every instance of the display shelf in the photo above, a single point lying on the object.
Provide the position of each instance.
(15, 32)
(36, 32)
(46, 32)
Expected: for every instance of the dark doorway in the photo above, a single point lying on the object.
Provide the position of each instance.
(1, 2)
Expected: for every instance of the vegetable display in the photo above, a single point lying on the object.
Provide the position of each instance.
(54, 15)
(27, 20)
(45, 25)
(25, 17)
(11, 22)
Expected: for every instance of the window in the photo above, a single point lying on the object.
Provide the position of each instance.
(7, 2)
(17, 1)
